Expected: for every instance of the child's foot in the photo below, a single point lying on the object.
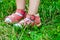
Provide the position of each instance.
(18, 15)
(30, 19)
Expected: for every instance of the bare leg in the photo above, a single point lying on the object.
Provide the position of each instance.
(33, 6)
(20, 4)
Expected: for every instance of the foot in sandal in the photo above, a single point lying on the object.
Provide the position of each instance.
(15, 17)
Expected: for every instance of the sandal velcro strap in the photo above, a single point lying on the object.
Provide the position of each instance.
(32, 17)
(21, 12)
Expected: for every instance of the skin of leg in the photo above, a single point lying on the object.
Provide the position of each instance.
(20, 4)
(33, 7)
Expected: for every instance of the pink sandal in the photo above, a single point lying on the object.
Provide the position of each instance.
(30, 19)
(15, 17)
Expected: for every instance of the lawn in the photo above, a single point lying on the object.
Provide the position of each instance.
(49, 11)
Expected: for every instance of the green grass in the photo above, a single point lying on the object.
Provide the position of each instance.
(49, 11)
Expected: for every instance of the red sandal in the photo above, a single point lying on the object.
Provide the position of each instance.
(15, 17)
(30, 19)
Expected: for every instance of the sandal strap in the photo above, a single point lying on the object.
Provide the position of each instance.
(22, 12)
(19, 14)
(31, 17)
